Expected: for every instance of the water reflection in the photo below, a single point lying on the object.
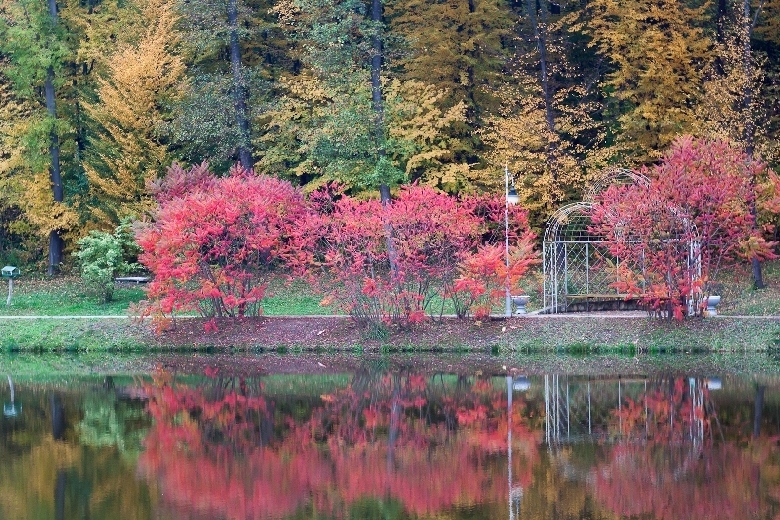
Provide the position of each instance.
(402, 444)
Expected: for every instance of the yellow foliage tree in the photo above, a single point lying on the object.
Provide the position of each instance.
(24, 179)
(722, 113)
(658, 50)
(418, 139)
(307, 122)
(129, 150)
(551, 164)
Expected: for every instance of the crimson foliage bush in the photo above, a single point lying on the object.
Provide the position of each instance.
(401, 262)
(213, 246)
(695, 214)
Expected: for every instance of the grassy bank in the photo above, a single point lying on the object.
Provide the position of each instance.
(91, 368)
(524, 335)
(66, 296)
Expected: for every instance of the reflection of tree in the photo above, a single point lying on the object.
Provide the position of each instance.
(398, 437)
(109, 421)
(46, 474)
(669, 465)
(673, 410)
(668, 482)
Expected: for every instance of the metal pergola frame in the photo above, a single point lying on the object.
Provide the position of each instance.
(577, 264)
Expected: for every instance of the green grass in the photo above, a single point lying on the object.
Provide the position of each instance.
(68, 335)
(294, 299)
(740, 298)
(65, 296)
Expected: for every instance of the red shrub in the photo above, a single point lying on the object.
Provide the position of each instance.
(431, 235)
(695, 212)
(213, 246)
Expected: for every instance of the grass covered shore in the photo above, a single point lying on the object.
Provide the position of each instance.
(749, 321)
(574, 335)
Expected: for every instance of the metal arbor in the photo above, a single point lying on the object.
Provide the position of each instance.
(578, 268)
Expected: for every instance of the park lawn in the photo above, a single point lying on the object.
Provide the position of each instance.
(67, 296)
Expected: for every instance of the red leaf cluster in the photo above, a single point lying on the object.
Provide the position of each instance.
(671, 236)
(382, 436)
(389, 263)
(215, 242)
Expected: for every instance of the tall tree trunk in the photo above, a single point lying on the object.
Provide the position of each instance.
(750, 125)
(376, 85)
(379, 123)
(721, 34)
(60, 485)
(239, 89)
(58, 434)
(395, 423)
(540, 35)
(56, 243)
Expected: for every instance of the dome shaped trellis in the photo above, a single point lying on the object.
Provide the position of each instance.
(578, 266)
(611, 176)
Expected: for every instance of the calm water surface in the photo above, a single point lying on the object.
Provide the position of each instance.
(391, 444)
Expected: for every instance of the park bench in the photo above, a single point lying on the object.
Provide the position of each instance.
(132, 279)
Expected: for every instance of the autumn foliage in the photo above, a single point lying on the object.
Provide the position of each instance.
(214, 246)
(400, 262)
(215, 243)
(673, 235)
(668, 450)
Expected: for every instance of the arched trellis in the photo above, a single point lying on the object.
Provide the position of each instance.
(578, 266)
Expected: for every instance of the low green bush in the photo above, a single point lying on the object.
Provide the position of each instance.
(103, 256)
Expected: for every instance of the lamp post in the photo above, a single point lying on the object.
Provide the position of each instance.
(510, 197)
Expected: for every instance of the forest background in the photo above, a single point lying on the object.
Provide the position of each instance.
(99, 97)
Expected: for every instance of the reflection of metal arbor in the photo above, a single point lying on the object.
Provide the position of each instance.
(578, 267)
(582, 409)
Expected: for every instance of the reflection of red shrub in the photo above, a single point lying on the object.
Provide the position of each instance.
(207, 459)
(679, 482)
(668, 466)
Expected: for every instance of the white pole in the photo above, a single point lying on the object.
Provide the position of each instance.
(10, 291)
(508, 310)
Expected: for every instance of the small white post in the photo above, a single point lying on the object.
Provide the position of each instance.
(10, 291)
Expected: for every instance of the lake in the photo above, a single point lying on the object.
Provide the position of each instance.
(381, 439)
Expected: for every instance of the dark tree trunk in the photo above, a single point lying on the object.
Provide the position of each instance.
(57, 417)
(59, 495)
(540, 36)
(56, 244)
(395, 422)
(379, 123)
(376, 85)
(58, 434)
(721, 33)
(239, 89)
(750, 125)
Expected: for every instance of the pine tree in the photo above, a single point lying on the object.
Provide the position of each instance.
(129, 151)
